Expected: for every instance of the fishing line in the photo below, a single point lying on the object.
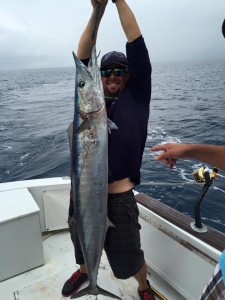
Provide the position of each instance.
(155, 183)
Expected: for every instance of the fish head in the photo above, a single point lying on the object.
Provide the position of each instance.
(88, 95)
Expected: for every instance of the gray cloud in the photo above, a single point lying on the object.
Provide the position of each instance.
(44, 33)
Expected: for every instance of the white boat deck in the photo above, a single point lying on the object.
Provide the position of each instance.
(180, 262)
(45, 282)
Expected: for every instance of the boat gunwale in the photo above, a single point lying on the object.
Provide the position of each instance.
(212, 237)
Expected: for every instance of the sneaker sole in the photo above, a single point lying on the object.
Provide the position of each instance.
(73, 292)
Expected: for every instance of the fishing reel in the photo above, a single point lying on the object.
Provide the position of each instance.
(202, 175)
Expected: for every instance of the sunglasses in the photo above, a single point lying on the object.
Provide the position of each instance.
(116, 71)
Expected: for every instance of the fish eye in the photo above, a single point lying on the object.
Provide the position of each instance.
(81, 84)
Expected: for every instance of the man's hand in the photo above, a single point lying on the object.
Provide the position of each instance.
(171, 153)
(103, 2)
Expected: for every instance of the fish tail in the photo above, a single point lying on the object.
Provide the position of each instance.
(98, 291)
(107, 294)
(81, 293)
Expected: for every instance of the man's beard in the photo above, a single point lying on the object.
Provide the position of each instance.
(112, 95)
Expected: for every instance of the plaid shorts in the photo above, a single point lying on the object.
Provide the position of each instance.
(215, 290)
(122, 242)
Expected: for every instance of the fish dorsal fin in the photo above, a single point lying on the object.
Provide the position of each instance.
(70, 135)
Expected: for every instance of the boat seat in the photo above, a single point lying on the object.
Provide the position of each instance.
(20, 233)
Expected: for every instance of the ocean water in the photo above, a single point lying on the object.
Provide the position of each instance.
(188, 105)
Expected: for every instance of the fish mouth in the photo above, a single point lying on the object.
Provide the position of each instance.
(86, 115)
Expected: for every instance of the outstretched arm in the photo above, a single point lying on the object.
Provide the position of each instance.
(211, 154)
(85, 42)
(128, 21)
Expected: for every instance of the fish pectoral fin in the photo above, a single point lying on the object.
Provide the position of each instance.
(97, 291)
(111, 125)
(85, 125)
(110, 223)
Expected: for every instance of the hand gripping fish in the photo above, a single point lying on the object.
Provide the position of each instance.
(90, 169)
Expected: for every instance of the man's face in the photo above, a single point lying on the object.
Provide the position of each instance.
(114, 80)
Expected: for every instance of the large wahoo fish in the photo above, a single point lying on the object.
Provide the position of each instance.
(90, 169)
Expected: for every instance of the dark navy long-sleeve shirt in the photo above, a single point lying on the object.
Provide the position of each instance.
(130, 112)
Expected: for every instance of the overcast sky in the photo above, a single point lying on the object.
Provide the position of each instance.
(43, 33)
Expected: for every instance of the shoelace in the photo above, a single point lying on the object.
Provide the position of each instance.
(74, 277)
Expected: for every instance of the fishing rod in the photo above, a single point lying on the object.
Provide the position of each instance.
(202, 175)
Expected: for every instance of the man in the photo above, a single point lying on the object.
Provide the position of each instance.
(215, 156)
(127, 88)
